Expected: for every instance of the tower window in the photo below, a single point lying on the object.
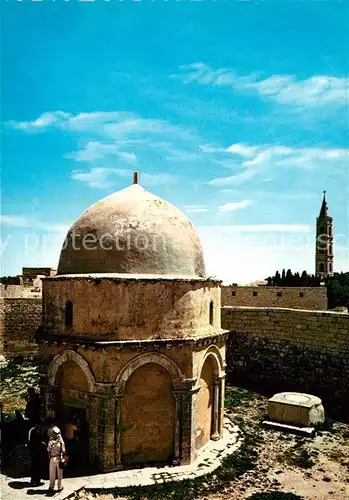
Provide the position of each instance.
(330, 251)
(322, 267)
(301, 294)
(330, 231)
(255, 294)
(330, 267)
(68, 318)
(233, 294)
(279, 294)
(211, 313)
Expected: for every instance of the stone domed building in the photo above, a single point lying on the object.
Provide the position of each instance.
(131, 340)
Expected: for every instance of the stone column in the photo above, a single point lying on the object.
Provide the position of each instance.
(178, 413)
(188, 424)
(48, 394)
(118, 436)
(221, 405)
(93, 420)
(216, 407)
(107, 434)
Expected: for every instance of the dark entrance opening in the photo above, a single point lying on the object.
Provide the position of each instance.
(76, 437)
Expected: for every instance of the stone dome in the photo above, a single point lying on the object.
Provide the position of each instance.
(132, 231)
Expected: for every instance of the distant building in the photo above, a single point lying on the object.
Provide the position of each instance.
(324, 242)
(29, 274)
(258, 283)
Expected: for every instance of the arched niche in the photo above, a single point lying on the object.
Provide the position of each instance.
(148, 416)
(71, 357)
(208, 407)
(218, 363)
(148, 409)
(170, 366)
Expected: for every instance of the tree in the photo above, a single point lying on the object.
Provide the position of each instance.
(338, 290)
(304, 279)
(289, 278)
(277, 279)
(10, 280)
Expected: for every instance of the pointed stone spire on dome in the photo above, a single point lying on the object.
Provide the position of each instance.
(135, 178)
(324, 207)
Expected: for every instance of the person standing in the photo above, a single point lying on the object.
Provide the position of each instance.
(36, 446)
(56, 450)
(32, 409)
(71, 427)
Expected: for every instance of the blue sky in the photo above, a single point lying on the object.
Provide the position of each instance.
(236, 112)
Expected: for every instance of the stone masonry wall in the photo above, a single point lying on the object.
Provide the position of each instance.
(313, 298)
(279, 350)
(19, 320)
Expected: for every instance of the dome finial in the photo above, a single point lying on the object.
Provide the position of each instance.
(135, 177)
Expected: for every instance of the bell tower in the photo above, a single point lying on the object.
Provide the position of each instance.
(324, 242)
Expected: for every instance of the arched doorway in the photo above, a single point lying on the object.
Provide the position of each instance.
(71, 408)
(204, 404)
(148, 416)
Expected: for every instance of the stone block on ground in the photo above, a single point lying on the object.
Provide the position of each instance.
(296, 409)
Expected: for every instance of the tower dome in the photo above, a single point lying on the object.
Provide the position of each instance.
(132, 231)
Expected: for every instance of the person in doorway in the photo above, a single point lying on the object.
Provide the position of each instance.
(71, 428)
(56, 450)
(36, 446)
(70, 436)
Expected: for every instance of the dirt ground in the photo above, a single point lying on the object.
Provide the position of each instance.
(270, 465)
(274, 465)
(310, 468)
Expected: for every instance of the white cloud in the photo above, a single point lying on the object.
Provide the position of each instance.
(158, 179)
(26, 221)
(113, 124)
(315, 91)
(68, 121)
(16, 220)
(234, 205)
(44, 121)
(196, 208)
(242, 150)
(111, 141)
(254, 160)
(95, 150)
(98, 177)
(106, 177)
(234, 180)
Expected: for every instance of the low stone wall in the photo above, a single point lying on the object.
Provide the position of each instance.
(19, 321)
(19, 291)
(310, 298)
(279, 350)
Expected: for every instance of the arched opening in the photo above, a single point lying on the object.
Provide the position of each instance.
(70, 376)
(148, 416)
(330, 267)
(72, 410)
(68, 317)
(211, 313)
(204, 404)
(322, 267)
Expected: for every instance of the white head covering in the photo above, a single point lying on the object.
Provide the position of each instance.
(56, 431)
